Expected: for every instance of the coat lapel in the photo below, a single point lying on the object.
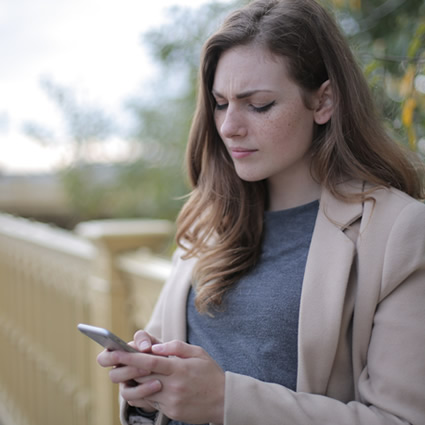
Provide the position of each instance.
(325, 282)
(176, 300)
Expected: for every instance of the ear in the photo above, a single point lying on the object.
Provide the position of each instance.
(324, 103)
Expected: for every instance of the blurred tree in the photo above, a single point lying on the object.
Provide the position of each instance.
(153, 183)
(165, 111)
(388, 37)
(87, 187)
(83, 123)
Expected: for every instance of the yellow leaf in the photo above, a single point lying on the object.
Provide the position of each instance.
(406, 84)
(370, 67)
(338, 3)
(411, 135)
(355, 4)
(407, 112)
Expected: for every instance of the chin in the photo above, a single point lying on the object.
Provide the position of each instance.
(250, 179)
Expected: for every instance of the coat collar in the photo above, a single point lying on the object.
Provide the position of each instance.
(328, 268)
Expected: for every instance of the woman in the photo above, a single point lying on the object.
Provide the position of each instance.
(297, 293)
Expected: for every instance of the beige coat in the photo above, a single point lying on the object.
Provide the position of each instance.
(361, 342)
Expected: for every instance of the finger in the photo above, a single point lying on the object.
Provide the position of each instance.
(178, 349)
(126, 373)
(146, 362)
(107, 358)
(146, 405)
(144, 341)
(139, 392)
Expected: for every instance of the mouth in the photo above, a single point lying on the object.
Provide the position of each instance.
(238, 153)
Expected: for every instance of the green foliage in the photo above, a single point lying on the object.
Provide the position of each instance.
(164, 113)
(388, 37)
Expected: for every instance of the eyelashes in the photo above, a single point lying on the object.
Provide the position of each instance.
(220, 107)
(264, 108)
(259, 109)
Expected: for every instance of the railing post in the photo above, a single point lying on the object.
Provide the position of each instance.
(109, 294)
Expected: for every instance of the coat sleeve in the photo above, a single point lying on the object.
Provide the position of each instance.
(391, 386)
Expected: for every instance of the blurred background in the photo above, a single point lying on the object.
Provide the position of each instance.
(96, 100)
(96, 97)
(95, 104)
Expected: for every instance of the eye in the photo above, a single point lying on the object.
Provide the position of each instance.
(264, 108)
(220, 106)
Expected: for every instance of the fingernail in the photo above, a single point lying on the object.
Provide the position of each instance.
(155, 385)
(144, 345)
(158, 348)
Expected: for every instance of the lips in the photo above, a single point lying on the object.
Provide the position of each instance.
(238, 153)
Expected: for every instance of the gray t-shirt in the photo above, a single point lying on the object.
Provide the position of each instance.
(255, 331)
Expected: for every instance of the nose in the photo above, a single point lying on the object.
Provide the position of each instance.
(232, 124)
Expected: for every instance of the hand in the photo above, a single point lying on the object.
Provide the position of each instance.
(182, 379)
(127, 375)
(144, 341)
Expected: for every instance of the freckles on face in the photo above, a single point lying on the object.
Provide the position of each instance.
(260, 115)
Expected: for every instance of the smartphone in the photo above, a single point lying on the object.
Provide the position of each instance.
(105, 338)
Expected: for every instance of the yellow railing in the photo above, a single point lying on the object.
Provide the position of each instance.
(107, 273)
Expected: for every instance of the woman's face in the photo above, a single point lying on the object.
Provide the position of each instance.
(262, 119)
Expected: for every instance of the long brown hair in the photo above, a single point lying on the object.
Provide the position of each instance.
(221, 223)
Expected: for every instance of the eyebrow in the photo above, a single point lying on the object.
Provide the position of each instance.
(242, 95)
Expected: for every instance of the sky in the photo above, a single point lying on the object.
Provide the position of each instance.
(92, 46)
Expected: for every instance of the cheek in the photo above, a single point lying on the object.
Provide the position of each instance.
(279, 129)
(299, 123)
(292, 132)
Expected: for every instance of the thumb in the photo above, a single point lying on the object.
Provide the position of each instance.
(144, 341)
(177, 349)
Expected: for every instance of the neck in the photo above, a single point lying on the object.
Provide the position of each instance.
(298, 191)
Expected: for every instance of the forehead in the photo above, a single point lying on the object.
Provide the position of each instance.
(249, 67)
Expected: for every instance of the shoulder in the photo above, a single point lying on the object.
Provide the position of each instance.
(390, 205)
(389, 212)
(396, 197)
(404, 214)
(392, 237)
(380, 209)
(391, 231)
